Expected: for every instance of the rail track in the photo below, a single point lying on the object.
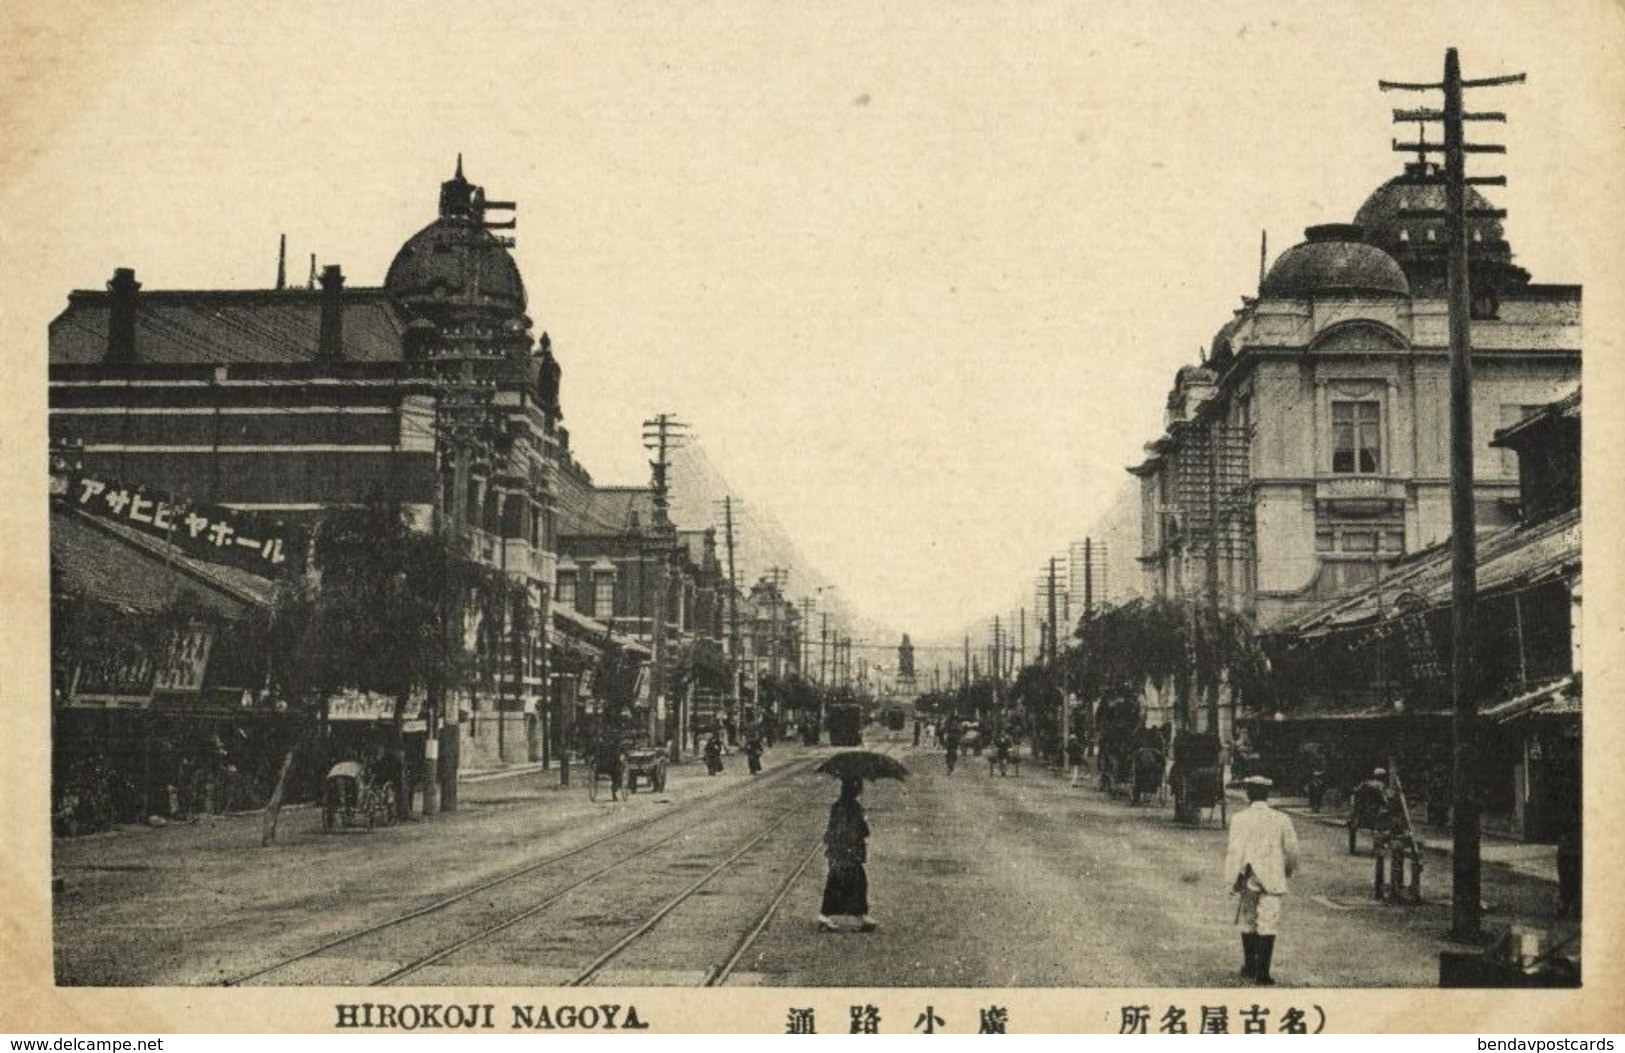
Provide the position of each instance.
(466, 937)
(704, 813)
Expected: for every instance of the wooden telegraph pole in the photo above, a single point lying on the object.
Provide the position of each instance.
(733, 612)
(1466, 911)
(662, 434)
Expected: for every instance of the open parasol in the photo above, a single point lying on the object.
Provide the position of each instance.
(863, 764)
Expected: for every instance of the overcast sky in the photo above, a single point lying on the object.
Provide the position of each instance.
(919, 274)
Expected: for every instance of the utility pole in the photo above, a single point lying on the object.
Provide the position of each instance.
(462, 420)
(1466, 913)
(823, 649)
(1052, 649)
(662, 434)
(733, 611)
(779, 577)
(806, 633)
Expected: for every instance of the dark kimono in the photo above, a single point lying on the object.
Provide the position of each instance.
(846, 892)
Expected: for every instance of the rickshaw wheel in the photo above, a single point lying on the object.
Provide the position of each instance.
(329, 819)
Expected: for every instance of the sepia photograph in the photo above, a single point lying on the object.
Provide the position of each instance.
(983, 518)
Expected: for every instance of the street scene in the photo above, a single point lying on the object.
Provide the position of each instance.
(928, 569)
(1041, 887)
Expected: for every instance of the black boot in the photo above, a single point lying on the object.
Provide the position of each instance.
(1266, 951)
(1249, 955)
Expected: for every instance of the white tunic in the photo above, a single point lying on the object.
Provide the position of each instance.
(1262, 838)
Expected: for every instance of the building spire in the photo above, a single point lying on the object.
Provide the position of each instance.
(459, 175)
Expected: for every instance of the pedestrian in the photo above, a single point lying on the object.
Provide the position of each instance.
(1368, 807)
(950, 739)
(1001, 753)
(713, 754)
(1568, 866)
(1074, 756)
(846, 892)
(1262, 854)
(753, 750)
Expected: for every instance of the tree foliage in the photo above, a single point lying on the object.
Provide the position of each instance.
(1160, 641)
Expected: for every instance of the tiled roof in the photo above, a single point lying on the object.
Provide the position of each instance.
(1509, 559)
(598, 511)
(1558, 698)
(577, 628)
(125, 568)
(228, 326)
(1565, 408)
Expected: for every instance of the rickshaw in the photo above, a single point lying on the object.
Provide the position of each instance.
(1145, 767)
(353, 795)
(645, 762)
(1197, 779)
(1131, 762)
(624, 760)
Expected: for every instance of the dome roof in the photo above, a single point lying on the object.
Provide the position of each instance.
(1419, 242)
(452, 261)
(1387, 227)
(455, 262)
(1334, 261)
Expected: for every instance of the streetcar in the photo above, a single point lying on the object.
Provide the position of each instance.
(845, 720)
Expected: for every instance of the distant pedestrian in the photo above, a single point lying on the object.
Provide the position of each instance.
(1568, 866)
(713, 754)
(1001, 753)
(1368, 807)
(1262, 854)
(1074, 755)
(846, 892)
(753, 750)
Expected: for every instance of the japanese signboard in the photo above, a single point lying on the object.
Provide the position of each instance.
(115, 679)
(351, 704)
(182, 665)
(212, 533)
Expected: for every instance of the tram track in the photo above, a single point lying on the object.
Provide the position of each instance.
(488, 935)
(717, 975)
(708, 807)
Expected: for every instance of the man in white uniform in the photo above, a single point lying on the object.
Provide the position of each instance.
(1263, 853)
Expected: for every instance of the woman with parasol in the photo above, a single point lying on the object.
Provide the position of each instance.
(846, 892)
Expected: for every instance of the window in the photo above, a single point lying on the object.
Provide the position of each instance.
(1357, 436)
(566, 592)
(1353, 552)
(603, 596)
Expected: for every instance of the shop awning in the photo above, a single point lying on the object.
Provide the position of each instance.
(589, 636)
(1509, 560)
(1560, 698)
(133, 571)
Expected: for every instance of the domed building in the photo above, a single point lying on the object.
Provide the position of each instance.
(455, 268)
(1334, 259)
(1309, 449)
(1390, 221)
(281, 404)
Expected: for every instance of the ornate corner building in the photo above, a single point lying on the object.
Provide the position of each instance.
(429, 392)
(1310, 448)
